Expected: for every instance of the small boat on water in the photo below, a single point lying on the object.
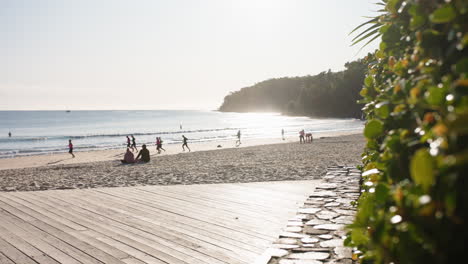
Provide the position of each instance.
(68, 111)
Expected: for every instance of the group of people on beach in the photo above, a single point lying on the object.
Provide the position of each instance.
(305, 137)
(144, 153)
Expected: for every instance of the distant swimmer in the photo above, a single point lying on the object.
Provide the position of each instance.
(144, 154)
(185, 143)
(238, 142)
(70, 148)
(282, 133)
(134, 144)
(9, 133)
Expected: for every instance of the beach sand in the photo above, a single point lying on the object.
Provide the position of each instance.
(250, 163)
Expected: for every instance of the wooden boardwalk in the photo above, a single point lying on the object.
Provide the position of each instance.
(183, 224)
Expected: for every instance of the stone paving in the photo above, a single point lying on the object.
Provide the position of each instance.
(315, 235)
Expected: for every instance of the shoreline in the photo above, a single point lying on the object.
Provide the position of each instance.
(48, 160)
(256, 163)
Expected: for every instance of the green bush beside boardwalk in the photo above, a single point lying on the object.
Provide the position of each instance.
(414, 204)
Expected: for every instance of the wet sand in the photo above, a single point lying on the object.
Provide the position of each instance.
(272, 162)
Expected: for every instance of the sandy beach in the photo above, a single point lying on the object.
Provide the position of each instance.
(264, 162)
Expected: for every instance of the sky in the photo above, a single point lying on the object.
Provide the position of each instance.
(165, 54)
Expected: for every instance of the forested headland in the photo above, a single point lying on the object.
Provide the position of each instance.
(327, 94)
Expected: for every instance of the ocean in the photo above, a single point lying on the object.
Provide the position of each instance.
(46, 132)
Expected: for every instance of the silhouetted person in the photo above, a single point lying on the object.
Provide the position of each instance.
(134, 143)
(282, 133)
(70, 148)
(185, 143)
(128, 142)
(238, 142)
(9, 133)
(301, 136)
(144, 153)
(159, 145)
(128, 157)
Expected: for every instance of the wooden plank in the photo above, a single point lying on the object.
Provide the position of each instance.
(5, 260)
(26, 248)
(131, 260)
(250, 226)
(211, 223)
(157, 213)
(186, 232)
(20, 229)
(186, 254)
(204, 205)
(130, 219)
(212, 217)
(14, 254)
(83, 215)
(61, 240)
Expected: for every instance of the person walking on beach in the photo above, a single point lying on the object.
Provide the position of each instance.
(144, 154)
(185, 143)
(159, 145)
(134, 144)
(238, 142)
(70, 148)
(301, 136)
(128, 142)
(282, 133)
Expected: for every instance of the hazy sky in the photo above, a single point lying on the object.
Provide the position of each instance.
(165, 54)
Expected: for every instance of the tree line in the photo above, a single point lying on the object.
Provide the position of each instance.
(327, 94)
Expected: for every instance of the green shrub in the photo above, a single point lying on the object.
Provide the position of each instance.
(414, 204)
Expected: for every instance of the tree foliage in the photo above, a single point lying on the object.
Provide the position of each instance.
(328, 94)
(414, 204)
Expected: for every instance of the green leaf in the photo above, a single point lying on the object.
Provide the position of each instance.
(382, 110)
(364, 32)
(375, 31)
(381, 192)
(369, 81)
(373, 20)
(462, 66)
(435, 95)
(416, 22)
(392, 5)
(373, 129)
(422, 169)
(443, 15)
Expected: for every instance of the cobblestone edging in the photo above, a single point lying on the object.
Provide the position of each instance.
(315, 235)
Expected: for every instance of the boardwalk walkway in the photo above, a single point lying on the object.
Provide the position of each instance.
(214, 224)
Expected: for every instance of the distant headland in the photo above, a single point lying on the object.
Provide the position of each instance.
(327, 94)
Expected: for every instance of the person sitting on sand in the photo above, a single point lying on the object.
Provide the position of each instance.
(70, 148)
(185, 143)
(128, 157)
(144, 154)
